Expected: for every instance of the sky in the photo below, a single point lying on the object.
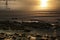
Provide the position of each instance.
(30, 5)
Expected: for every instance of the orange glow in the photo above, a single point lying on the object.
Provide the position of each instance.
(47, 5)
(42, 5)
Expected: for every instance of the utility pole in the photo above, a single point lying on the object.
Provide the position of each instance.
(6, 4)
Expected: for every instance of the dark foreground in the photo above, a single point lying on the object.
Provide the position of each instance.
(29, 30)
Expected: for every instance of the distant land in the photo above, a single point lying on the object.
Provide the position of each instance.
(50, 16)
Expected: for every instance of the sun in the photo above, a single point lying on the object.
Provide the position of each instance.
(43, 4)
